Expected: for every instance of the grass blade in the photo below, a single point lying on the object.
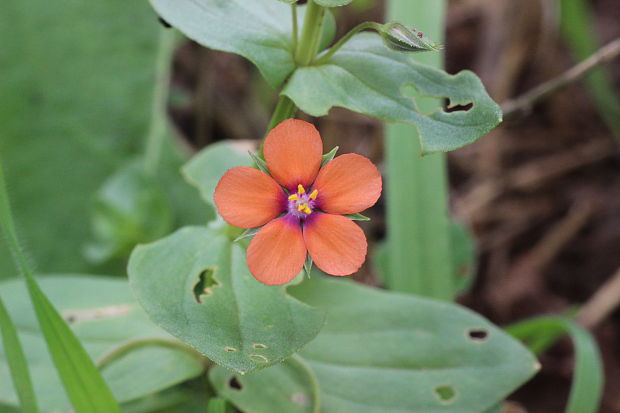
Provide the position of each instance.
(417, 196)
(578, 31)
(587, 386)
(17, 363)
(83, 383)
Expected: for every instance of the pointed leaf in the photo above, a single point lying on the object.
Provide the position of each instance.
(231, 318)
(380, 78)
(104, 315)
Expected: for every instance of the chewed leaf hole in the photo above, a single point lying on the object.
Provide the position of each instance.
(259, 346)
(445, 394)
(230, 349)
(463, 107)
(204, 285)
(234, 384)
(479, 335)
(258, 357)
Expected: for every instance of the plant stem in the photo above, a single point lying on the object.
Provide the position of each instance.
(418, 226)
(159, 121)
(131, 345)
(309, 42)
(524, 104)
(285, 109)
(295, 26)
(362, 26)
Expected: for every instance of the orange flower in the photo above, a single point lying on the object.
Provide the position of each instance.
(307, 215)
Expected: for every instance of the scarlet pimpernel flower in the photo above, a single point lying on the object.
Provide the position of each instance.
(301, 205)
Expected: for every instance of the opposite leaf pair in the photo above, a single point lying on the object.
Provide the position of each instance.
(297, 221)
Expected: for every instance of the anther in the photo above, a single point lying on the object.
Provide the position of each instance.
(314, 194)
(307, 210)
(301, 207)
(293, 197)
(300, 189)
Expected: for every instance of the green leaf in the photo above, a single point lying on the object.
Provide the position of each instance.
(89, 116)
(129, 209)
(258, 30)
(206, 168)
(392, 352)
(464, 257)
(218, 405)
(103, 315)
(329, 156)
(295, 389)
(234, 320)
(16, 361)
(587, 387)
(357, 217)
(381, 78)
(332, 3)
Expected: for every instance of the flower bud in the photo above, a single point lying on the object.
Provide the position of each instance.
(399, 37)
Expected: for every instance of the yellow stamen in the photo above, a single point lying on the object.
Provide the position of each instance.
(314, 194)
(307, 210)
(293, 197)
(300, 189)
(301, 207)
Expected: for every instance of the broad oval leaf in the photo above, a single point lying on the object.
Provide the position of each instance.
(196, 285)
(385, 352)
(393, 352)
(367, 77)
(206, 168)
(296, 389)
(259, 30)
(103, 314)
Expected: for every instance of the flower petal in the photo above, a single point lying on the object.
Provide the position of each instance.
(347, 185)
(335, 243)
(248, 198)
(293, 152)
(277, 253)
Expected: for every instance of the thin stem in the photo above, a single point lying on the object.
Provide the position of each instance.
(131, 345)
(524, 104)
(295, 26)
(311, 33)
(159, 122)
(345, 39)
(285, 109)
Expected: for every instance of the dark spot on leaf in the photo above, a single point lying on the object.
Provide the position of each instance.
(478, 334)
(449, 108)
(446, 394)
(234, 383)
(205, 284)
(164, 23)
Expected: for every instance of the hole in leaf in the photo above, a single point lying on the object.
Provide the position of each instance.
(479, 335)
(204, 284)
(259, 358)
(458, 107)
(234, 383)
(259, 346)
(230, 349)
(446, 394)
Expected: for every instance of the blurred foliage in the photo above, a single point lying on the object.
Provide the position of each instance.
(74, 105)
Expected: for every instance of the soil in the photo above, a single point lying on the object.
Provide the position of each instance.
(541, 194)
